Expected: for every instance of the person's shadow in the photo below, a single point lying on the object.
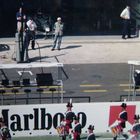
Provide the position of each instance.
(71, 47)
(37, 47)
(4, 47)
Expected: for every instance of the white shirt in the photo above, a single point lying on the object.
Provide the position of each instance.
(125, 14)
(31, 25)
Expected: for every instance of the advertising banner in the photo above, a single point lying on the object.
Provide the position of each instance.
(42, 119)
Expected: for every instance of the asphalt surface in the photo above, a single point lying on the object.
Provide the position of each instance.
(94, 66)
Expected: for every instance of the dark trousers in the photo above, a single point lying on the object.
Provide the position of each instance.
(29, 36)
(124, 135)
(126, 28)
(32, 38)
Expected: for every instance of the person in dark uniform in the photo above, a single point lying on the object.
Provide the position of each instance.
(77, 129)
(91, 135)
(135, 131)
(122, 118)
(69, 117)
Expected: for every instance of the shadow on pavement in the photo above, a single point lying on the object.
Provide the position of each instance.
(43, 57)
(4, 47)
(42, 47)
(72, 47)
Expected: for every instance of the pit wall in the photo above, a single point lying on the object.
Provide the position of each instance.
(42, 119)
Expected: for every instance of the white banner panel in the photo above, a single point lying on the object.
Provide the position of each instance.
(42, 119)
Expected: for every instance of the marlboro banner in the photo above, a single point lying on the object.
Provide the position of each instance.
(43, 119)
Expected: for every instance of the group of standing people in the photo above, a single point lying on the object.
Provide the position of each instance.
(28, 27)
(58, 28)
(70, 126)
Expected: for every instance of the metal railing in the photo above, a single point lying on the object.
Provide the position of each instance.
(42, 100)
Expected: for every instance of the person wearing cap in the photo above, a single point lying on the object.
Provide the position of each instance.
(69, 117)
(122, 118)
(77, 129)
(135, 130)
(123, 115)
(91, 135)
(58, 31)
(125, 15)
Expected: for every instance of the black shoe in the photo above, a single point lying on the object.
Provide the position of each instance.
(59, 49)
(52, 49)
(125, 136)
(27, 61)
(129, 37)
(115, 138)
(123, 38)
(33, 48)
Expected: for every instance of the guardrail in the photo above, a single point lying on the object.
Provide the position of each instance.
(40, 100)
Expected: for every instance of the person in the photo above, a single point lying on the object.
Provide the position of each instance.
(135, 130)
(69, 117)
(58, 31)
(91, 135)
(77, 129)
(19, 19)
(125, 15)
(62, 129)
(4, 131)
(32, 28)
(122, 118)
(29, 36)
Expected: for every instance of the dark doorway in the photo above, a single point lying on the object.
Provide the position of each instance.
(97, 16)
(80, 16)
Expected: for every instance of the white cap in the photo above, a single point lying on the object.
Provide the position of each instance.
(59, 18)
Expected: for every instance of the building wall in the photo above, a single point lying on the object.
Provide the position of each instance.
(135, 6)
(79, 16)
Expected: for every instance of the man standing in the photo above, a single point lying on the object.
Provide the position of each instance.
(77, 129)
(122, 118)
(58, 30)
(21, 19)
(91, 135)
(125, 15)
(32, 29)
(29, 36)
(69, 117)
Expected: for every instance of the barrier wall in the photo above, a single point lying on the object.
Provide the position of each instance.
(34, 120)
